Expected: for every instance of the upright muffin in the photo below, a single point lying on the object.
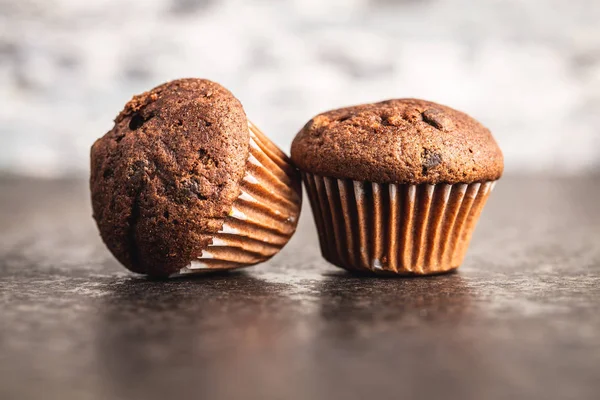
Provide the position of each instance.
(184, 183)
(396, 187)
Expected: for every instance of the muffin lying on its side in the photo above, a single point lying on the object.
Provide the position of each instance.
(185, 183)
(396, 187)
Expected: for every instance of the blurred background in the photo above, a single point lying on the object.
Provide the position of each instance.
(529, 70)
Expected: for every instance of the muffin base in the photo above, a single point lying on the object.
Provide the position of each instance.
(264, 216)
(395, 229)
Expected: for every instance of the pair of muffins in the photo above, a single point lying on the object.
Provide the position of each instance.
(185, 183)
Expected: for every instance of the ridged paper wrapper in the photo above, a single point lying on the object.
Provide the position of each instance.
(395, 228)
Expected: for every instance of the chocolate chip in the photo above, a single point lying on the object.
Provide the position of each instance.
(136, 122)
(429, 160)
(194, 188)
(437, 119)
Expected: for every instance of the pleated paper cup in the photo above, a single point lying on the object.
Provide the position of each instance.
(265, 215)
(395, 228)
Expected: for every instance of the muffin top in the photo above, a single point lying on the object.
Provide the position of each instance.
(398, 141)
(164, 178)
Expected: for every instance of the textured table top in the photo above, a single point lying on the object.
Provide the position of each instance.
(519, 320)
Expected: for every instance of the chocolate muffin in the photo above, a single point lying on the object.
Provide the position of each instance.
(184, 183)
(396, 187)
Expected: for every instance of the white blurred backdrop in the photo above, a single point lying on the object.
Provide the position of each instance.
(529, 70)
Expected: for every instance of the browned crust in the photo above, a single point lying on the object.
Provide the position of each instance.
(398, 141)
(165, 177)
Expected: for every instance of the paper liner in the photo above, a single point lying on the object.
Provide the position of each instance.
(395, 228)
(265, 215)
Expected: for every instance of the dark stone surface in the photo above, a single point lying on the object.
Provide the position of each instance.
(519, 320)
